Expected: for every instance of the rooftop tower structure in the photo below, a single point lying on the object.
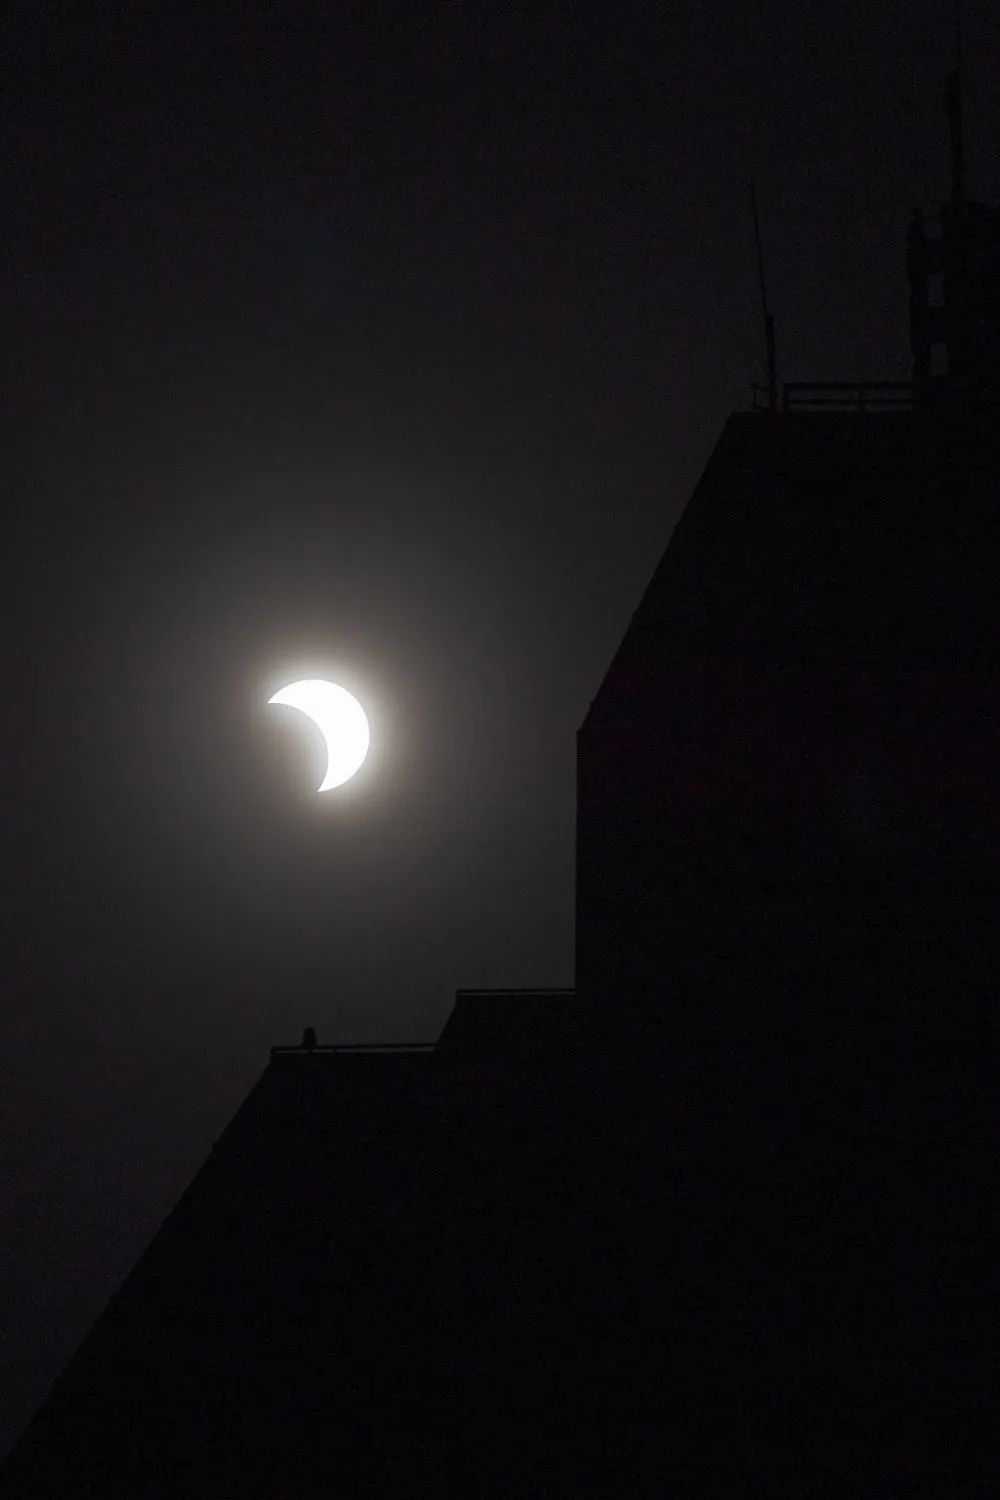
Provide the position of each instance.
(953, 265)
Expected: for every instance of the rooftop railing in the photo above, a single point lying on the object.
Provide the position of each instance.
(837, 395)
(508, 991)
(309, 1043)
(862, 395)
(356, 1047)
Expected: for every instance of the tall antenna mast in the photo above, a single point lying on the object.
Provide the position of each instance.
(955, 114)
(772, 366)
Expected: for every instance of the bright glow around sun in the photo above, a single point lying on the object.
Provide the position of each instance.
(339, 718)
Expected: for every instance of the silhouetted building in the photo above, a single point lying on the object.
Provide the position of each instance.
(789, 765)
(953, 264)
(327, 1309)
(712, 1225)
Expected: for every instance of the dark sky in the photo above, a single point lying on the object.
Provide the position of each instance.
(383, 343)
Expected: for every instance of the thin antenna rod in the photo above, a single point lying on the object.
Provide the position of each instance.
(955, 114)
(772, 366)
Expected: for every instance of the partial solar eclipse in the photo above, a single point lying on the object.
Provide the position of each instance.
(339, 718)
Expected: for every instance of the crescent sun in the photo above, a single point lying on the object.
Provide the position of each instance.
(339, 718)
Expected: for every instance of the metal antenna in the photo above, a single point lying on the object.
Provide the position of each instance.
(772, 367)
(954, 97)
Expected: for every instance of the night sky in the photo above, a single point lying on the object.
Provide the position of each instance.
(382, 343)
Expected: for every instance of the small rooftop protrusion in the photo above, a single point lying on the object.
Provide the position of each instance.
(309, 1039)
